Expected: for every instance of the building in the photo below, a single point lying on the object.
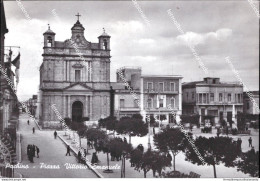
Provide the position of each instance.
(8, 98)
(212, 99)
(156, 95)
(75, 77)
(249, 106)
(4, 30)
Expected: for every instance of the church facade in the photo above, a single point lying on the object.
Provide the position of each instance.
(75, 78)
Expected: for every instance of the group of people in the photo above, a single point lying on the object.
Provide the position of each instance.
(32, 151)
(33, 129)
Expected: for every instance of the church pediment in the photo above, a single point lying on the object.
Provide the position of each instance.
(77, 65)
(78, 87)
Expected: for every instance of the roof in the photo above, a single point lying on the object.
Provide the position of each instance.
(49, 32)
(162, 76)
(203, 83)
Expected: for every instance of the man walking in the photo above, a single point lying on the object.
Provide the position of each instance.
(79, 156)
(250, 142)
(28, 122)
(55, 134)
(68, 150)
(38, 151)
(33, 130)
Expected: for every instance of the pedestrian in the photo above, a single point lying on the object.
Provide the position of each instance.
(55, 134)
(227, 130)
(125, 141)
(94, 158)
(79, 156)
(28, 122)
(38, 151)
(85, 153)
(250, 142)
(153, 130)
(68, 150)
(33, 150)
(191, 127)
(28, 150)
(33, 130)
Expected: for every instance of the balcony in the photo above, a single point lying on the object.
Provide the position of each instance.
(129, 109)
(153, 91)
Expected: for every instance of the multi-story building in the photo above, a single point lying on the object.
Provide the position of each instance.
(8, 98)
(212, 99)
(251, 104)
(156, 95)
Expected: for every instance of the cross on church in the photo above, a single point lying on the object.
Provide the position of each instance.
(78, 15)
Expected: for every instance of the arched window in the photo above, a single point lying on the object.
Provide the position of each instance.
(49, 41)
(173, 102)
(105, 44)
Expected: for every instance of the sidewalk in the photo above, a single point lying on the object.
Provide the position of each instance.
(51, 163)
(130, 171)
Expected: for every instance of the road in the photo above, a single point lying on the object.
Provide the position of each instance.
(52, 154)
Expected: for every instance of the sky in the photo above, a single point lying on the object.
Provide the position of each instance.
(144, 35)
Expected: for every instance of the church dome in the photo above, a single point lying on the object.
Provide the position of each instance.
(78, 26)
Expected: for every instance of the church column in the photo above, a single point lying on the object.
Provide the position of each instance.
(69, 109)
(91, 104)
(64, 106)
(86, 106)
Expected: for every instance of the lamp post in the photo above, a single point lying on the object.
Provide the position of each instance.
(123, 165)
(148, 119)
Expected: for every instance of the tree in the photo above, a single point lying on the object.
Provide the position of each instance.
(249, 163)
(159, 162)
(96, 135)
(171, 139)
(115, 147)
(213, 150)
(132, 126)
(149, 160)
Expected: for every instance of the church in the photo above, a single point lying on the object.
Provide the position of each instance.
(75, 79)
(75, 76)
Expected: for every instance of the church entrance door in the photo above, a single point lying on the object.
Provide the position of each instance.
(77, 111)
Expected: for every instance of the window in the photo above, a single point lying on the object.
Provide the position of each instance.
(172, 119)
(77, 75)
(49, 41)
(187, 95)
(136, 101)
(172, 86)
(161, 89)
(192, 95)
(105, 45)
(229, 97)
(211, 97)
(200, 98)
(172, 102)
(204, 98)
(149, 103)
(149, 85)
(247, 105)
(122, 103)
(220, 97)
(160, 102)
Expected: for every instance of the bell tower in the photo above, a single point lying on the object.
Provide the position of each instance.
(104, 41)
(49, 38)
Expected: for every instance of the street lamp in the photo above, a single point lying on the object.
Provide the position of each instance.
(148, 119)
(123, 165)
